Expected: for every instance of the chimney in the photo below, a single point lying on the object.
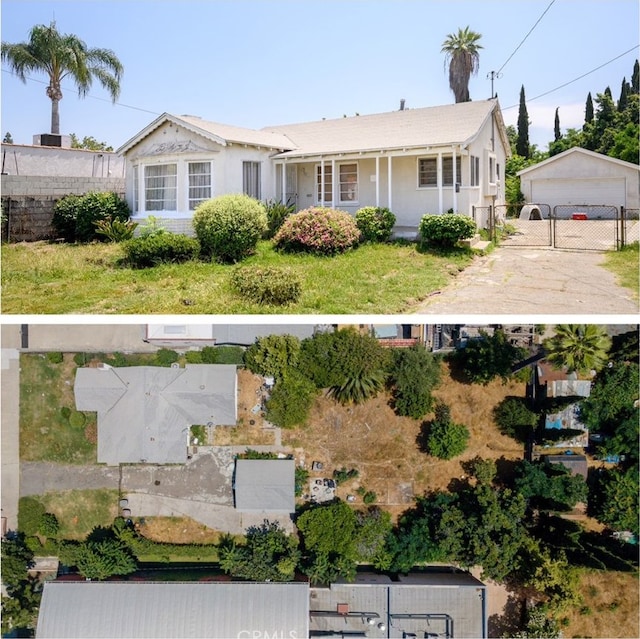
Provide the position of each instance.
(401, 104)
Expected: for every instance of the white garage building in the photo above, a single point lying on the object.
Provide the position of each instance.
(581, 177)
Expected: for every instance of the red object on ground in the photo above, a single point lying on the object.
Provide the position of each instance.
(579, 216)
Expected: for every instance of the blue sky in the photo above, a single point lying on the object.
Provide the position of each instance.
(255, 63)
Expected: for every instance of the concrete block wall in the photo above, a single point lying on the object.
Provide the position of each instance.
(28, 202)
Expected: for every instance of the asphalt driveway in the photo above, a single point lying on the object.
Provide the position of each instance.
(518, 280)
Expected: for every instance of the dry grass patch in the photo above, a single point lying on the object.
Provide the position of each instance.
(178, 530)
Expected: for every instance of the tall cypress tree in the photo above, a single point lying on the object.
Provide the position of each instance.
(624, 95)
(588, 110)
(556, 126)
(635, 78)
(522, 144)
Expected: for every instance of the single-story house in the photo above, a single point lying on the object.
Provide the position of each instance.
(145, 412)
(132, 609)
(581, 177)
(413, 161)
(430, 604)
(265, 485)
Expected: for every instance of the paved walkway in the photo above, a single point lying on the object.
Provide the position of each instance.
(534, 280)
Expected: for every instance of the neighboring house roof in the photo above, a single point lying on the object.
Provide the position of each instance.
(577, 464)
(222, 134)
(265, 485)
(144, 412)
(407, 129)
(576, 150)
(416, 605)
(148, 609)
(560, 383)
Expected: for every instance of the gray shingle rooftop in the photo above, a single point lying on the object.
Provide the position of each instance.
(145, 412)
(146, 609)
(265, 485)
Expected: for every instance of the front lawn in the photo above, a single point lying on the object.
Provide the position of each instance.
(375, 279)
(626, 266)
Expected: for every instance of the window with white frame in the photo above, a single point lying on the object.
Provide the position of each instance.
(199, 183)
(251, 179)
(474, 170)
(160, 187)
(447, 170)
(492, 169)
(427, 172)
(324, 193)
(348, 182)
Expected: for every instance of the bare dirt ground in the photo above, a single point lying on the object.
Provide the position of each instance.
(177, 530)
(384, 449)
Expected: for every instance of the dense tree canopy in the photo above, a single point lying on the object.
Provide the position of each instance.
(272, 355)
(578, 347)
(415, 374)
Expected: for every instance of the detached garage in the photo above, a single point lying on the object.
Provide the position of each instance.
(581, 177)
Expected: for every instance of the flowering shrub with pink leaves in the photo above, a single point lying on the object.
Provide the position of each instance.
(318, 230)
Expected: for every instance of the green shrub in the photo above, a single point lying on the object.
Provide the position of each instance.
(75, 216)
(290, 400)
(318, 230)
(514, 418)
(49, 526)
(277, 213)
(446, 230)
(193, 357)
(229, 226)
(152, 226)
(166, 357)
(369, 497)
(375, 223)
(30, 511)
(223, 355)
(116, 230)
(342, 475)
(81, 359)
(77, 419)
(55, 357)
(267, 285)
(162, 248)
(446, 439)
(65, 411)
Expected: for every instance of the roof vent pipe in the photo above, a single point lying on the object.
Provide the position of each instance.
(401, 104)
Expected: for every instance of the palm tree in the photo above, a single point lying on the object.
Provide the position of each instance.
(63, 56)
(463, 57)
(578, 347)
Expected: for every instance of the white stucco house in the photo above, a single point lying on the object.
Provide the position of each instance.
(582, 177)
(413, 161)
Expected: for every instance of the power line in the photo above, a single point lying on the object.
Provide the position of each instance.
(93, 97)
(528, 34)
(584, 75)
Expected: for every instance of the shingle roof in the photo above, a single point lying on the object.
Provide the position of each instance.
(146, 609)
(265, 485)
(429, 126)
(144, 412)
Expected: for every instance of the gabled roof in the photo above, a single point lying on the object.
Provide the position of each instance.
(265, 485)
(457, 124)
(144, 412)
(222, 134)
(153, 609)
(577, 150)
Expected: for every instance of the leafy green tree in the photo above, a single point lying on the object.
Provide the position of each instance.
(550, 487)
(578, 347)
(625, 89)
(571, 138)
(89, 143)
(49, 526)
(515, 418)
(614, 499)
(99, 558)
(635, 78)
(352, 365)
(462, 55)
(272, 355)
(270, 554)
(16, 559)
(522, 145)
(444, 439)
(540, 625)
(61, 57)
(8, 138)
(291, 400)
(488, 357)
(30, 512)
(373, 527)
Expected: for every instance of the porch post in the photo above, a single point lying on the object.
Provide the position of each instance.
(439, 179)
(455, 183)
(284, 182)
(377, 180)
(334, 199)
(321, 181)
(389, 183)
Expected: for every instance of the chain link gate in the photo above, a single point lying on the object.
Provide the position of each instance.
(526, 224)
(586, 227)
(629, 226)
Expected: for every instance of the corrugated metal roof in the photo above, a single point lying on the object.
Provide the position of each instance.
(144, 412)
(213, 610)
(264, 485)
(429, 126)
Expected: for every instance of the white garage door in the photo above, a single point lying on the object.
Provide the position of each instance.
(554, 191)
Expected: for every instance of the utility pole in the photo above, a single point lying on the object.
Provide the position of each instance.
(493, 75)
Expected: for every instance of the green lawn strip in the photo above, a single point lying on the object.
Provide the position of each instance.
(45, 433)
(625, 264)
(377, 278)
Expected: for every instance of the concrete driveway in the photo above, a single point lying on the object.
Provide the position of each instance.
(518, 280)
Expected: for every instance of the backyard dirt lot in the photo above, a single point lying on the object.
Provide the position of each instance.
(383, 447)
